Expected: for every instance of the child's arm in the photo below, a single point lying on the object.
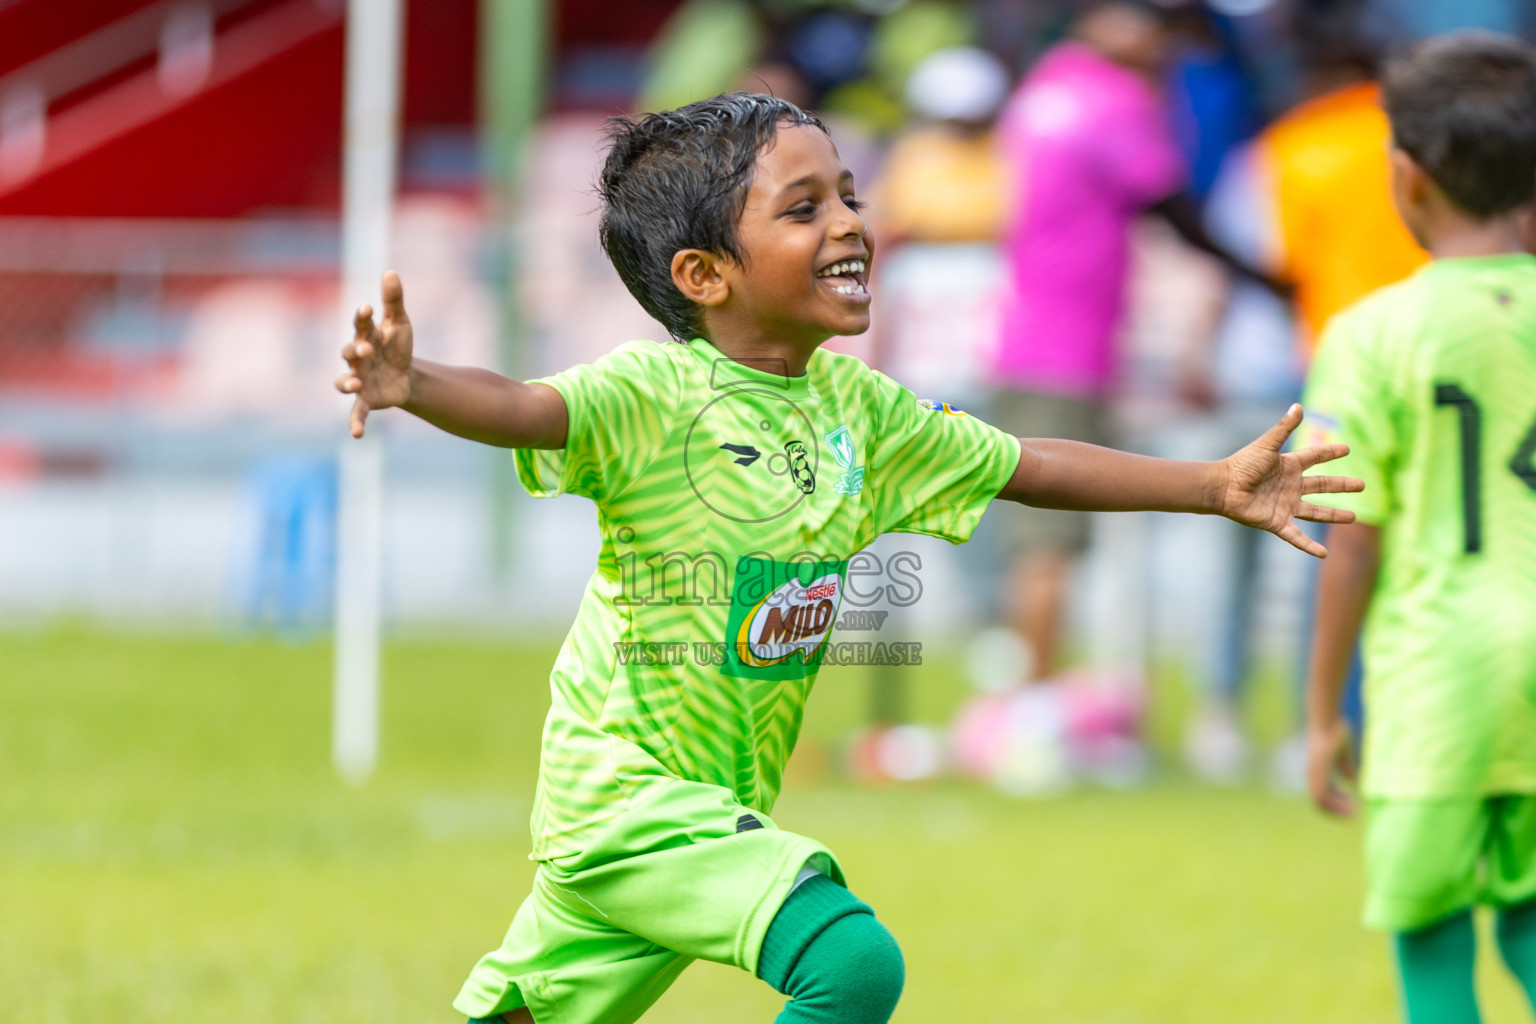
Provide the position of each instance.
(1343, 593)
(1258, 486)
(477, 404)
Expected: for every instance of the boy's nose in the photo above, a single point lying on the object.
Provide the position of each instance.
(848, 225)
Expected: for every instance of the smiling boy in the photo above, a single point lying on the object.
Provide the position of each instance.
(735, 472)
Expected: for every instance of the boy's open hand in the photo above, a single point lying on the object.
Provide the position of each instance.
(1264, 487)
(378, 357)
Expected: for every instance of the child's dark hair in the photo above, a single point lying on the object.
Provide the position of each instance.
(678, 180)
(1464, 107)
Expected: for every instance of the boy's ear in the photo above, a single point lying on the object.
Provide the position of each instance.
(1412, 189)
(1526, 220)
(697, 275)
(1412, 181)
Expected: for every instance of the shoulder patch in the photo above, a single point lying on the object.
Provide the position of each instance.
(944, 407)
(1321, 429)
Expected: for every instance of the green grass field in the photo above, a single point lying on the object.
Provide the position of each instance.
(174, 848)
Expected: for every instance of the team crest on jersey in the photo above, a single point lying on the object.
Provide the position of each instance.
(781, 616)
(851, 481)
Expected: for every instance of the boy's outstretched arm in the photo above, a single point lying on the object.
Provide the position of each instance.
(1343, 594)
(1259, 486)
(473, 403)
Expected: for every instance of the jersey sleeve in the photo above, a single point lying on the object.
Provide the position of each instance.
(618, 411)
(1348, 398)
(935, 469)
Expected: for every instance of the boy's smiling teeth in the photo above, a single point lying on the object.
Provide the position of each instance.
(850, 274)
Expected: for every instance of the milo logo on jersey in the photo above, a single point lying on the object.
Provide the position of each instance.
(781, 616)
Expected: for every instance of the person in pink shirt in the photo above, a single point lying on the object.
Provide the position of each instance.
(1087, 136)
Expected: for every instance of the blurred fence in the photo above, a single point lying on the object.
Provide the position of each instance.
(168, 430)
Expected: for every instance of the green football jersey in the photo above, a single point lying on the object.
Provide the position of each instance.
(730, 499)
(1432, 384)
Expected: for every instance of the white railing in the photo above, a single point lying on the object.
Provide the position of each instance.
(180, 34)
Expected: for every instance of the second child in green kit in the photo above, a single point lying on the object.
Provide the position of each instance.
(1432, 382)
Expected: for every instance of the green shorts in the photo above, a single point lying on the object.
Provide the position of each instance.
(605, 932)
(1426, 859)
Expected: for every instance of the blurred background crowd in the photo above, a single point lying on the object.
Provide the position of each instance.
(1122, 222)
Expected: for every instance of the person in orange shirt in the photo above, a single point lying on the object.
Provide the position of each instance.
(1326, 164)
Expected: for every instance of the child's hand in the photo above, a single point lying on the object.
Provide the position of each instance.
(1330, 756)
(1264, 487)
(378, 357)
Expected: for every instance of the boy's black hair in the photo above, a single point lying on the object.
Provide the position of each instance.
(678, 180)
(1464, 107)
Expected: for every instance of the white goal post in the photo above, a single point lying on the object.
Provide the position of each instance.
(370, 145)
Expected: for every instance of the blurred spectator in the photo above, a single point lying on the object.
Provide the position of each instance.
(850, 59)
(901, 41)
(1089, 140)
(704, 49)
(944, 178)
(1326, 167)
(1318, 206)
(938, 208)
(1249, 377)
(1212, 99)
(828, 47)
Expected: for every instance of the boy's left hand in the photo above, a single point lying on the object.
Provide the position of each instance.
(1264, 487)
(1331, 758)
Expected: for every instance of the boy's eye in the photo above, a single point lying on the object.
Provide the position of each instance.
(802, 209)
(854, 204)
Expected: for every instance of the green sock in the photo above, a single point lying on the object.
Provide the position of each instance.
(1435, 965)
(1517, 942)
(826, 951)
